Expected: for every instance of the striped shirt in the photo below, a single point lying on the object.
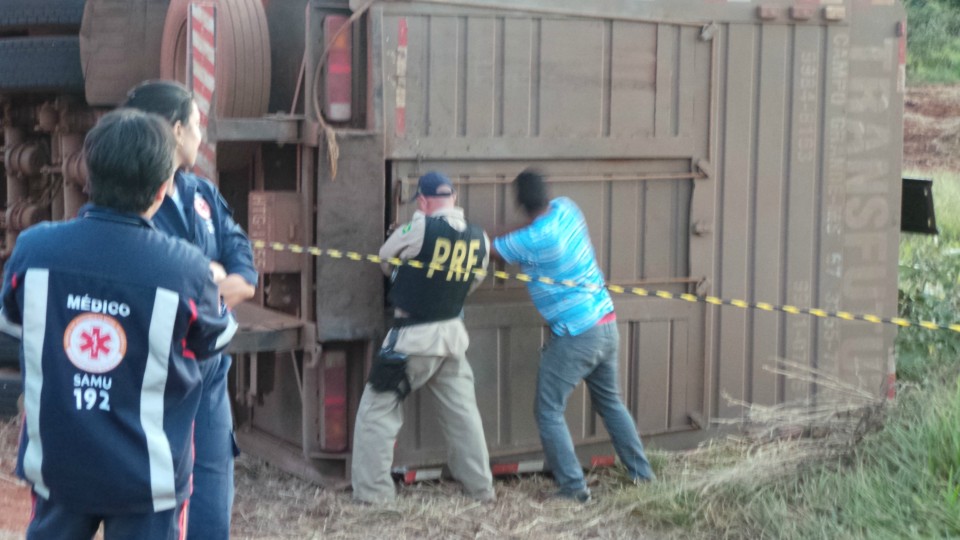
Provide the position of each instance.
(557, 246)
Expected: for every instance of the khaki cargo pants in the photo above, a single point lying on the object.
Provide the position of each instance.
(437, 362)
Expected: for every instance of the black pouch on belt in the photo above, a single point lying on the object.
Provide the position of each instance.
(389, 372)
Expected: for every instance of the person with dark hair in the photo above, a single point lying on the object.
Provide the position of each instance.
(115, 316)
(427, 346)
(532, 193)
(585, 342)
(195, 211)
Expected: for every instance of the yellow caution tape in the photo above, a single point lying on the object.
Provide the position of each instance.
(616, 289)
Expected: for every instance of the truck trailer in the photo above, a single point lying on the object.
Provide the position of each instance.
(741, 150)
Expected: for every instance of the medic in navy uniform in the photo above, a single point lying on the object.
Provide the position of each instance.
(195, 211)
(116, 317)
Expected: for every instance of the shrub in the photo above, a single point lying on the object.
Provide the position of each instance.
(933, 41)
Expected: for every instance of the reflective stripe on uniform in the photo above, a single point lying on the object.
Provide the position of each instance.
(35, 326)
(162, 477)
(227, 334)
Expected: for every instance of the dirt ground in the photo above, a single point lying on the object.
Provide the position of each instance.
(273, 505)
(931, 128)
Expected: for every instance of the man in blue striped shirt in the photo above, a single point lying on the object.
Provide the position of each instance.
(585, 342)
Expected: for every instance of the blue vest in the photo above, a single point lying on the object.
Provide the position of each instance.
(433, 294)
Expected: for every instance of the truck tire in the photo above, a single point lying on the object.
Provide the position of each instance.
(10, 390)
(243, 66)
(243, 55)
(45, 63)
(21, 14)
(120, 47)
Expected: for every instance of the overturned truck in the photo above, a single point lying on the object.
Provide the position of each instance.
(742, 150)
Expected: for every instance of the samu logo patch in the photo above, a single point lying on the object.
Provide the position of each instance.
(95, 343)
(203, 210)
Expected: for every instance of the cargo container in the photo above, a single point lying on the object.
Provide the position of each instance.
(747, 150)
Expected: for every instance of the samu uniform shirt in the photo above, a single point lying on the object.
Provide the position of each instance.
(115, 315)
(207, 222)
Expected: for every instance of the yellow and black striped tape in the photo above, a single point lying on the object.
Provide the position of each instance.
(617, 289)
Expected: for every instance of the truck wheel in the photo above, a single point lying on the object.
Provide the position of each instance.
(22, 14)
(112, 66)
(46, 63)
(243, 55)
(243, 65)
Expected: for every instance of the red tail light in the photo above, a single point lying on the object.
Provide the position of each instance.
(333, 435)
(338, 71)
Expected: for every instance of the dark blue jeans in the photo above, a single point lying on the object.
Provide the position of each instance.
(52, 520)
(564, 362)
(215, 449)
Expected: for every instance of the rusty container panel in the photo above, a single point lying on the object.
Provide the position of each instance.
(867, 182)
(276, 217)
(661, 379)
(805, 203)
(350, 211)
(511, 85)
(743, 151)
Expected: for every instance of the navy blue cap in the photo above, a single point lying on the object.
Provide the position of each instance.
(434, 184)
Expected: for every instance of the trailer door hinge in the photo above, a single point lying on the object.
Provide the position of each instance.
(703, 286)
(705, 167)
(708, 31)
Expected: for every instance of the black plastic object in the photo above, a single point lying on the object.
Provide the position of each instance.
(916, 207)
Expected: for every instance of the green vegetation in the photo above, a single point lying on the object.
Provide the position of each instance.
(933, 41)
(901, 482)
(893, 475)
(930, 290)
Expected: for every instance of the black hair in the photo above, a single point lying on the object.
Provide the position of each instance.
(129, 155)
(169, 99)
(532, 192)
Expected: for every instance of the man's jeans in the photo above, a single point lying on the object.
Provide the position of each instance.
(591, 356)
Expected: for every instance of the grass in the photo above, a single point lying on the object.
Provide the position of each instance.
(946, 196)
(901, 481)
(930, 288)
(933, 45)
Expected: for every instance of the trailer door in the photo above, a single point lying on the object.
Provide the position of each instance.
(638, 214)
(620, 114)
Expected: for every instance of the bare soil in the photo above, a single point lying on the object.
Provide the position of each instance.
(15, 501)
(931, 128)
(272, 505)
